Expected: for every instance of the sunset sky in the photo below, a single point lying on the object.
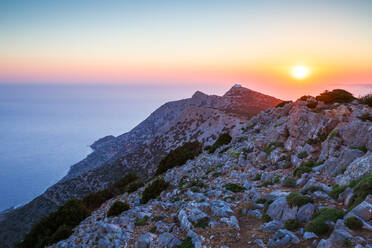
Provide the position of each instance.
(254, 43)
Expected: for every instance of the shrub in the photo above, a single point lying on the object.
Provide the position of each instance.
(282, 104)
(179, 156)
(361, 190)
(305, 98)
(360, 148)
(302, 155)
(134, 186)
(289, 182)
(95, 200)
(367, 99)
(276, 179)
(121, 185)
(234, 187)
(334, 133)
(336, 191)
(117, 208)
(337, 95)
(257, 177)
(292, 224)
(305, 167)
(365, 117)
(260, 200)
(312, 105)
(354, 223)
(223, 139)
(318, 224)
(153, 190)
(202, 223)
(141, 221)
(272, 146)
(297, 199)
(63, 232)
(187, 243)
(56, 225)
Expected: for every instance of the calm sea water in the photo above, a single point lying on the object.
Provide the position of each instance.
(44, 129)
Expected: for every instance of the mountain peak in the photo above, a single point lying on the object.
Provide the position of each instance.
(237, 89)
(199, 94)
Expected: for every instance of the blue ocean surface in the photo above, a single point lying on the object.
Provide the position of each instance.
(44, 129)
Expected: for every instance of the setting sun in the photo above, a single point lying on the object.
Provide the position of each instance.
(300, 72)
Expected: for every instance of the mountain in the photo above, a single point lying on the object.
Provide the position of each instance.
(299, 174)
(201, 117)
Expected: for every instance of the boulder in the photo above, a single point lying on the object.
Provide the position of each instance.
(357, 169)
(305, 212)
(167, 240)
(283, 238)
(280, 210)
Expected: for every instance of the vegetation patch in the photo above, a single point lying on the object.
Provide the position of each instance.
(336, 191)
(141, 221)
(202, 223)
(187, 243)
(367, 100)
(234, 187)
(266, 183)
(297, 199)
(337, 95)
(117, 208)
(302, 155)
(354, 223)
(257, 177)
(223, 139)
(305, 167)
(334, 133)
(179, 156)
(153, 190)
(289, 182)
(292, 224)
(365, 117)
(134, 186)
(282, 104)
(318, 223)
(272, 146)
(362, 188)
(361, 148)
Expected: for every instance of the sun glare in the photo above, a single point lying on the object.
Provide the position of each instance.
(300, 72)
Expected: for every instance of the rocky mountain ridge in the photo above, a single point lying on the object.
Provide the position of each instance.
(201, 117)
(295, 175)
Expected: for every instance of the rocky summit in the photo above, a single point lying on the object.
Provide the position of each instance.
(217, 174)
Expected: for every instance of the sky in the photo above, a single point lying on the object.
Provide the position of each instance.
(205, 43)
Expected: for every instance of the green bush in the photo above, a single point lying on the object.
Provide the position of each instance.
(361, 190)
(223, 139)
(297, 199)
(134, 186)
(179, 156)
(260, 200)
(289, 182)
(312, 105)
(337, 95)
(354, 223)
(318, 224)
(367, 99)
(257, 177)
(117, 208)
(56, 225)
(305, 98)
(202, 223)
(334, 133)
(234, 187)
(302, 155)
(272, 146)
(187, 243)
(360, 148)
(121, 185)
(365, 117)
(95, 200)
(336, 191)
(282, 104)
(292, 224)
(153, 190)
(305, 167)
(141, 221)
(63, 232)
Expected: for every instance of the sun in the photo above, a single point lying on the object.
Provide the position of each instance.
(300, 72)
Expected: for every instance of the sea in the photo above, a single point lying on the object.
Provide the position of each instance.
(46, 128)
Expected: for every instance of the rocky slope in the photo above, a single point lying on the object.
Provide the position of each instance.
(272, 186)
(201, 117)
